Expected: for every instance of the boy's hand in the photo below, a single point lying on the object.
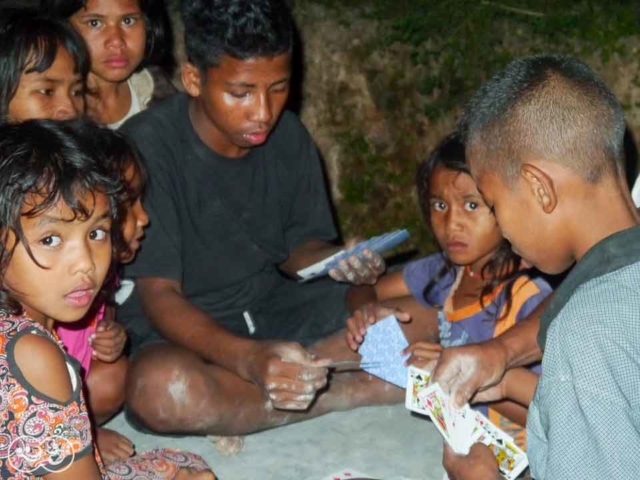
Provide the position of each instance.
(356, 270)
(108, 341)
(423, 354)
(287, 373)
(462, 371)
(479, 464)
(366, 316)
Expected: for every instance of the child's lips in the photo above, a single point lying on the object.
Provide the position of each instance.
(81, 297)
(456, 246)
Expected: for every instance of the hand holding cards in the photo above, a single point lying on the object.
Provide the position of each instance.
(461, 428)
(378, 244)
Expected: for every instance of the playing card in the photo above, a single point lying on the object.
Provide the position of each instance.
(378, 244)
(382, 351)
(418, 381)
(463, 427)
(436, 404)
(348, 474)
(511, 459)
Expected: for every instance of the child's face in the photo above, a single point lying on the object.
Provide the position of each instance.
(463, 224)
(115, 33)
(55, 94)
(75, 255)
(136, 218)
(524, 223)
(239, 101)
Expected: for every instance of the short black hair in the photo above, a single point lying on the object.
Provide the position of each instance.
(29, 43)
(553, 107)
(51, 160)
(156, 23)
(241, 29)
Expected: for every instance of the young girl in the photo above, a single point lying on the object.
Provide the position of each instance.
(476, 281)
(58, 207)
(46, 67)
(122, 36)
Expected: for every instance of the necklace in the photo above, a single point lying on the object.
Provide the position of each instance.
(471, 273)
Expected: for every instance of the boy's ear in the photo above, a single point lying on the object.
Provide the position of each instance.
(191, 79)
(541, 185)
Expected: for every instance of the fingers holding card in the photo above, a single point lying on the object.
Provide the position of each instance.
(461, 428)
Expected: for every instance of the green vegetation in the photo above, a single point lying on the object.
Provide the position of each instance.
(457, 44)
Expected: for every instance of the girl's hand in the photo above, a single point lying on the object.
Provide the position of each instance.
(108, 341)
(423, 354)
(366, 316)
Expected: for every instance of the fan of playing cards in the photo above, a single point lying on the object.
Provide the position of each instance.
(461, 428)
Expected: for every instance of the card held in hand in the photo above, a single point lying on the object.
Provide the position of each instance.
(378, 244)
(461, 428)
(382, 349)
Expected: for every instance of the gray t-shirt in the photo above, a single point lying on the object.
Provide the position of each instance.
(222, 225)
(584, 421)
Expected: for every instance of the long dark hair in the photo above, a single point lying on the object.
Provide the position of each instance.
(504, 264)
(51, 161)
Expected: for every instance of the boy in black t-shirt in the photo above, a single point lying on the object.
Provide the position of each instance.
(236, 199)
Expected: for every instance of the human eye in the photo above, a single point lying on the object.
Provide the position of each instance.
(239, 94)
(93, 23)
(51, 241)
(48, 92)
(438, 205)
(128, 21)
(99, 234)
(280, 88)
(471, 206)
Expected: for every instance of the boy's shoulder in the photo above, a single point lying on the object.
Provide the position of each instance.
(160, 119)
(604, 306)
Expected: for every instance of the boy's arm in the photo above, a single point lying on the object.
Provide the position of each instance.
(266, 364)
(389, 286)
(463, 371)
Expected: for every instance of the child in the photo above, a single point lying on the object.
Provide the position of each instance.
(545, 142)
(475, 281)
(58, 205)
(47, 64)
(122, 36)
(97, 341)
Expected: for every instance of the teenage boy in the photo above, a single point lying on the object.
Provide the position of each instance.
(544, 139)
(236, 200)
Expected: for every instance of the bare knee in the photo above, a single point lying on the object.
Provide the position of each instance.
(106, 387)
(165, 389)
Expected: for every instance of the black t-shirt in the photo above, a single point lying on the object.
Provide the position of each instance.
(222, 225)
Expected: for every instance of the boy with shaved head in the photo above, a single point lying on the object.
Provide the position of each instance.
(544, 139)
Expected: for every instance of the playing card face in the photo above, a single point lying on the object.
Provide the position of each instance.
(382, 349)
(511, 459)
(463, 427)
(418, 381)
(437, 405)
(349, 474)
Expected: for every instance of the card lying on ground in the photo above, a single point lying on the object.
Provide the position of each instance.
(461, 428)
(349, 474)
(378, 244)
(382, 349)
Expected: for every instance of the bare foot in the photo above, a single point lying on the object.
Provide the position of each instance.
(192, 474)
(227, 446)
(113, 446)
